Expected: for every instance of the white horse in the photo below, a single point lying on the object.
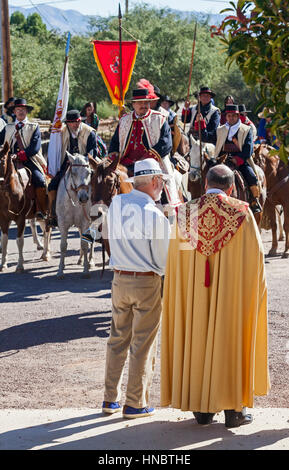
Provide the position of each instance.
(73, 205)
(208, 149)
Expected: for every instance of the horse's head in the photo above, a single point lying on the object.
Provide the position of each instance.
(265, 156)
(80, 175)
(105, 182)
(3, 160)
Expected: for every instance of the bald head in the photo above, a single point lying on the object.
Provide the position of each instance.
(221, 177)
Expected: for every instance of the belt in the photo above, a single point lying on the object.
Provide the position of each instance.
(135, 273)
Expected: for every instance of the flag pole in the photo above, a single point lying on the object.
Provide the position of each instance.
(120, 60)
(190, 75)
(66, 53)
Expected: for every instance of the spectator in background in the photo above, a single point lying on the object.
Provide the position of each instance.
(90, 116)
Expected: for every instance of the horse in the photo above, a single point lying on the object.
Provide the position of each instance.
(277, 178)
(197, 175)
(108, 180)
(73, 204)
(17, 205)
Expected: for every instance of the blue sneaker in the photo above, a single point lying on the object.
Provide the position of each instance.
(110, 407)
(130, 412)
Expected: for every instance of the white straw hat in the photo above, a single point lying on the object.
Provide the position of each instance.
(147, 167)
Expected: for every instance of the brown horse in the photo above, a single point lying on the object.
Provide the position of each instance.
(240, 191)
(107, 181)
(16, 205)
(277, 178)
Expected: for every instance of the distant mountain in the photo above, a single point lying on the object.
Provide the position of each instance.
(77, 23)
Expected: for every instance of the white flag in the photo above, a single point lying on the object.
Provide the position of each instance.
(55, 143)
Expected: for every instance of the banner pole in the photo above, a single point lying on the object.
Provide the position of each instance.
(120, 60)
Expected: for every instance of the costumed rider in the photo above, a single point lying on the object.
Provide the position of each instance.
(209, 116)
(76, 137)
(24, 139)
(236, 139)
(144, 133)
(8, 115)
(245, 120)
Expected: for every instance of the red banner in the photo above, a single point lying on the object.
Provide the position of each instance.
(106, 54)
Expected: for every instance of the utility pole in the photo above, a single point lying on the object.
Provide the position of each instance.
(126, 7)
(7, 85)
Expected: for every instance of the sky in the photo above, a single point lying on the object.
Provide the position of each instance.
(110, 7)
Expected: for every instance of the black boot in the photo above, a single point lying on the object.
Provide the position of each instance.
(234, 419)
(203, 418)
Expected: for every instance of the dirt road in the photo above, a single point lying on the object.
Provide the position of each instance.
(53, 332)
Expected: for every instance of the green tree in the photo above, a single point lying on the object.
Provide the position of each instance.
(256, 38)
(18, 20)
(34, 25)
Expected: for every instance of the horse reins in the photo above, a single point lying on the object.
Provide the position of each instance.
(77, 188)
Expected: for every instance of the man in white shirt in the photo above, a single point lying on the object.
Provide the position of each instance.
(138, 235)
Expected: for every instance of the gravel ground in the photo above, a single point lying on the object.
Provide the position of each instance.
(53, 332)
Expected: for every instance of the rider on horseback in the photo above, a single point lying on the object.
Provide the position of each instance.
(209, 116)
(77, 137)
(24, 139)
(236, 139)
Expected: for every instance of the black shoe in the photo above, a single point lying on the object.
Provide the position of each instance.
(255, 206)
(234, 419)
(203, 418)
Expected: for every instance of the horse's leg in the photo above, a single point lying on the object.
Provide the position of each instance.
(20, 244)
(286, 229)
(63, 248)
(35, 236)
(79, 261)
(280, 225)
(84, 250)
(91, 259)
(4, 243)
(272, 217)
(46, 237)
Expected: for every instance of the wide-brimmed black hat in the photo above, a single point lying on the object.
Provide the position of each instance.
(10, 100)
(73, 116)
(141, 94)
(232, 108)
(21, 103)
(167, 98)
(157, 91)
(242, 109)
(206, 89)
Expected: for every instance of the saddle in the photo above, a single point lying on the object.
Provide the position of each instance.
(25, 179)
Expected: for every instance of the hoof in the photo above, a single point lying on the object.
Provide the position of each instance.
(79, 262)
(45, 257)
(285, 255)
(3, 267)
(60, 276)
(19, 270)
(39, 247)
(85, 275)
(272, 253)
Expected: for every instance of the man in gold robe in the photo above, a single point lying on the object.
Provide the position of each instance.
(214, 328)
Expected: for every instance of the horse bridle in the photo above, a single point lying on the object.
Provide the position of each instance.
(81, 186)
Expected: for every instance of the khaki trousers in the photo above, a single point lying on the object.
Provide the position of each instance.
(136, 312)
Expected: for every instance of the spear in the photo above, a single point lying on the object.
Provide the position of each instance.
(120, 59)
(200, 141)
(190, 75)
